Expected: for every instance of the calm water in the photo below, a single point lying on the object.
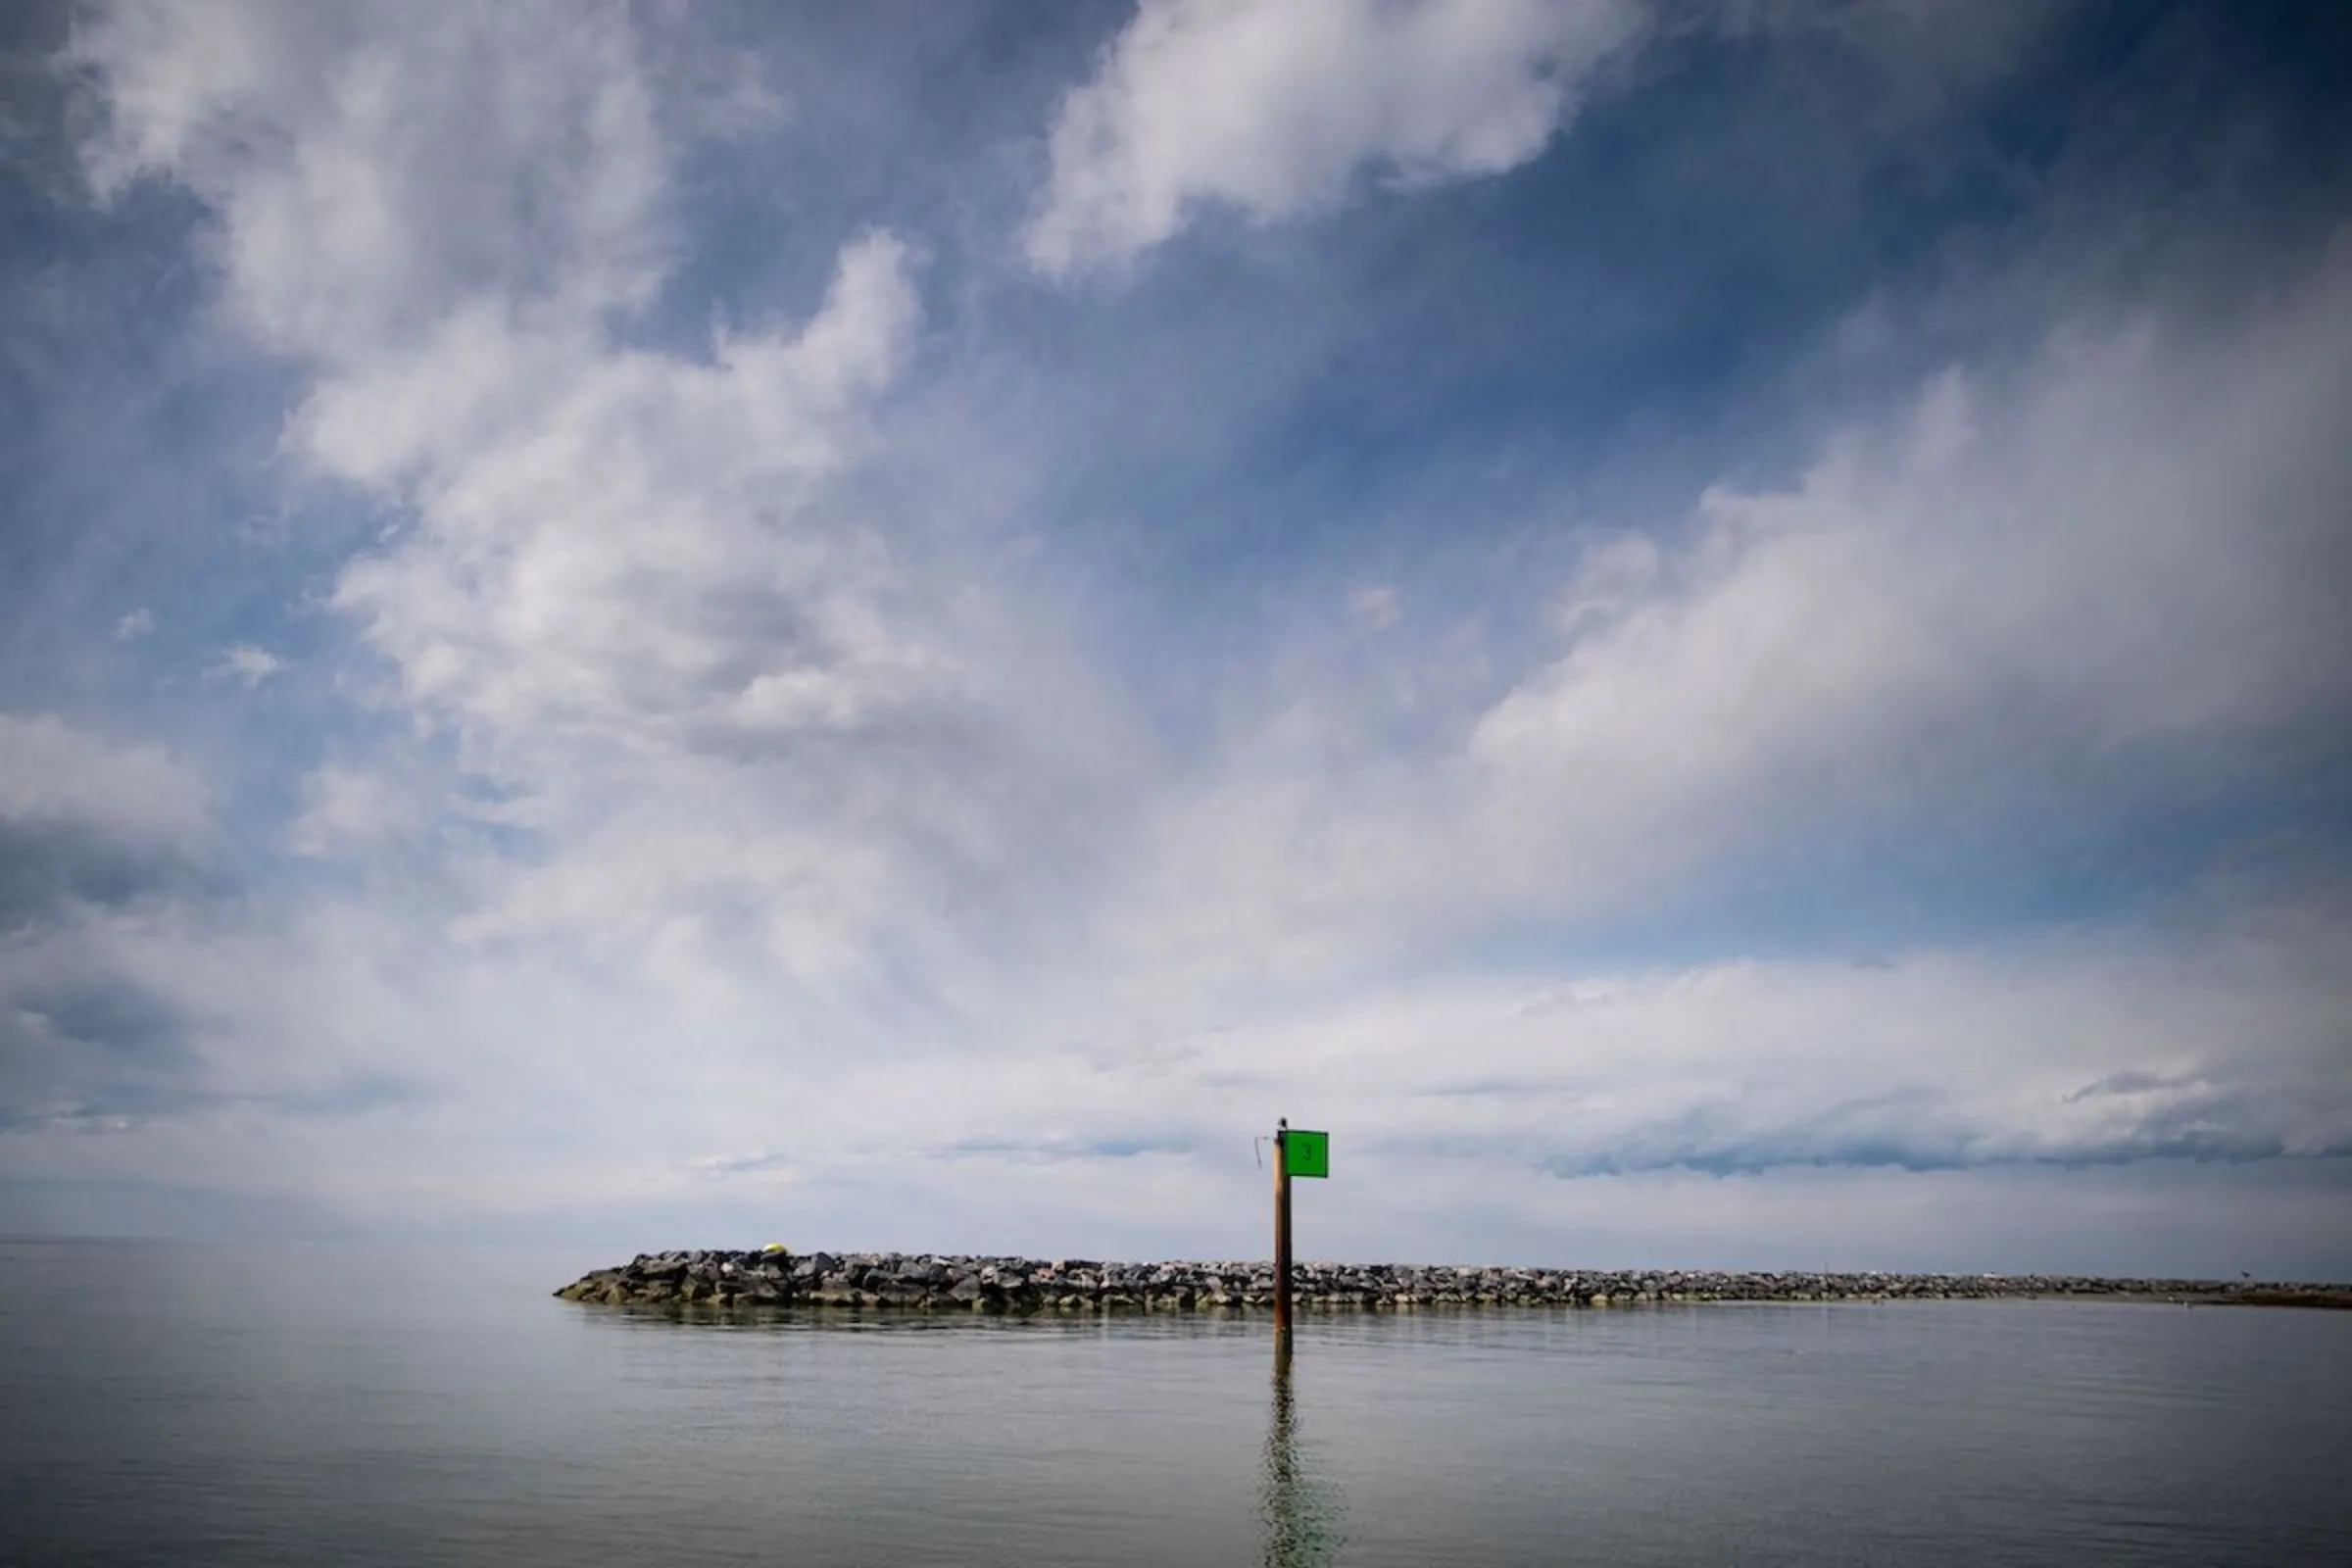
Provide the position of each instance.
(180, 1404)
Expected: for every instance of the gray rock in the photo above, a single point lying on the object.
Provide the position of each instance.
(761, 1279)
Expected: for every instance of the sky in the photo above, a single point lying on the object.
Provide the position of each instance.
(1712, 629)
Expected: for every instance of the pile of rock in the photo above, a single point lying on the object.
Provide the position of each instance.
(775, 1277)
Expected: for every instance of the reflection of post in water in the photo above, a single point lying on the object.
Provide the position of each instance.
(1300, 1512)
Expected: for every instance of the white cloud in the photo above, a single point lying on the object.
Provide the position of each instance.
(637, 599)
(2208, 1041)
(2105, 571)
(365, 163)
(420, 1084)
(739, 813)
(716, 693)
(635, 520)
(354, 811)
(51, 772)
(246, 662)
(1374, 606)
(1275, 107)
(95, 835)
(134, 625)
(2073, 1050)
(2119, 554)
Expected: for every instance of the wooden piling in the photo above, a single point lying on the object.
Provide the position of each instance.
(1282, 1238)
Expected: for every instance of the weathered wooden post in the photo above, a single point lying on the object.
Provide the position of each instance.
(1282, 1235)
(1295, 1153)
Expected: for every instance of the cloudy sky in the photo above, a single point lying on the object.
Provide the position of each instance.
(1713, 629)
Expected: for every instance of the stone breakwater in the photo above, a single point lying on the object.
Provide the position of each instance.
(927, 1283)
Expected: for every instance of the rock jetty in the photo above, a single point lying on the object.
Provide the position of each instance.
(775, 1278)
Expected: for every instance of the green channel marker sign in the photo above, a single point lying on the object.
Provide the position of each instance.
(1305, 1153)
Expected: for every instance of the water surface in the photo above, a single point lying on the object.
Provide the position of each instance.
(173, 1403)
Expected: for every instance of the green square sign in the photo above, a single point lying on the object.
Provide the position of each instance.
(1305, 1153)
